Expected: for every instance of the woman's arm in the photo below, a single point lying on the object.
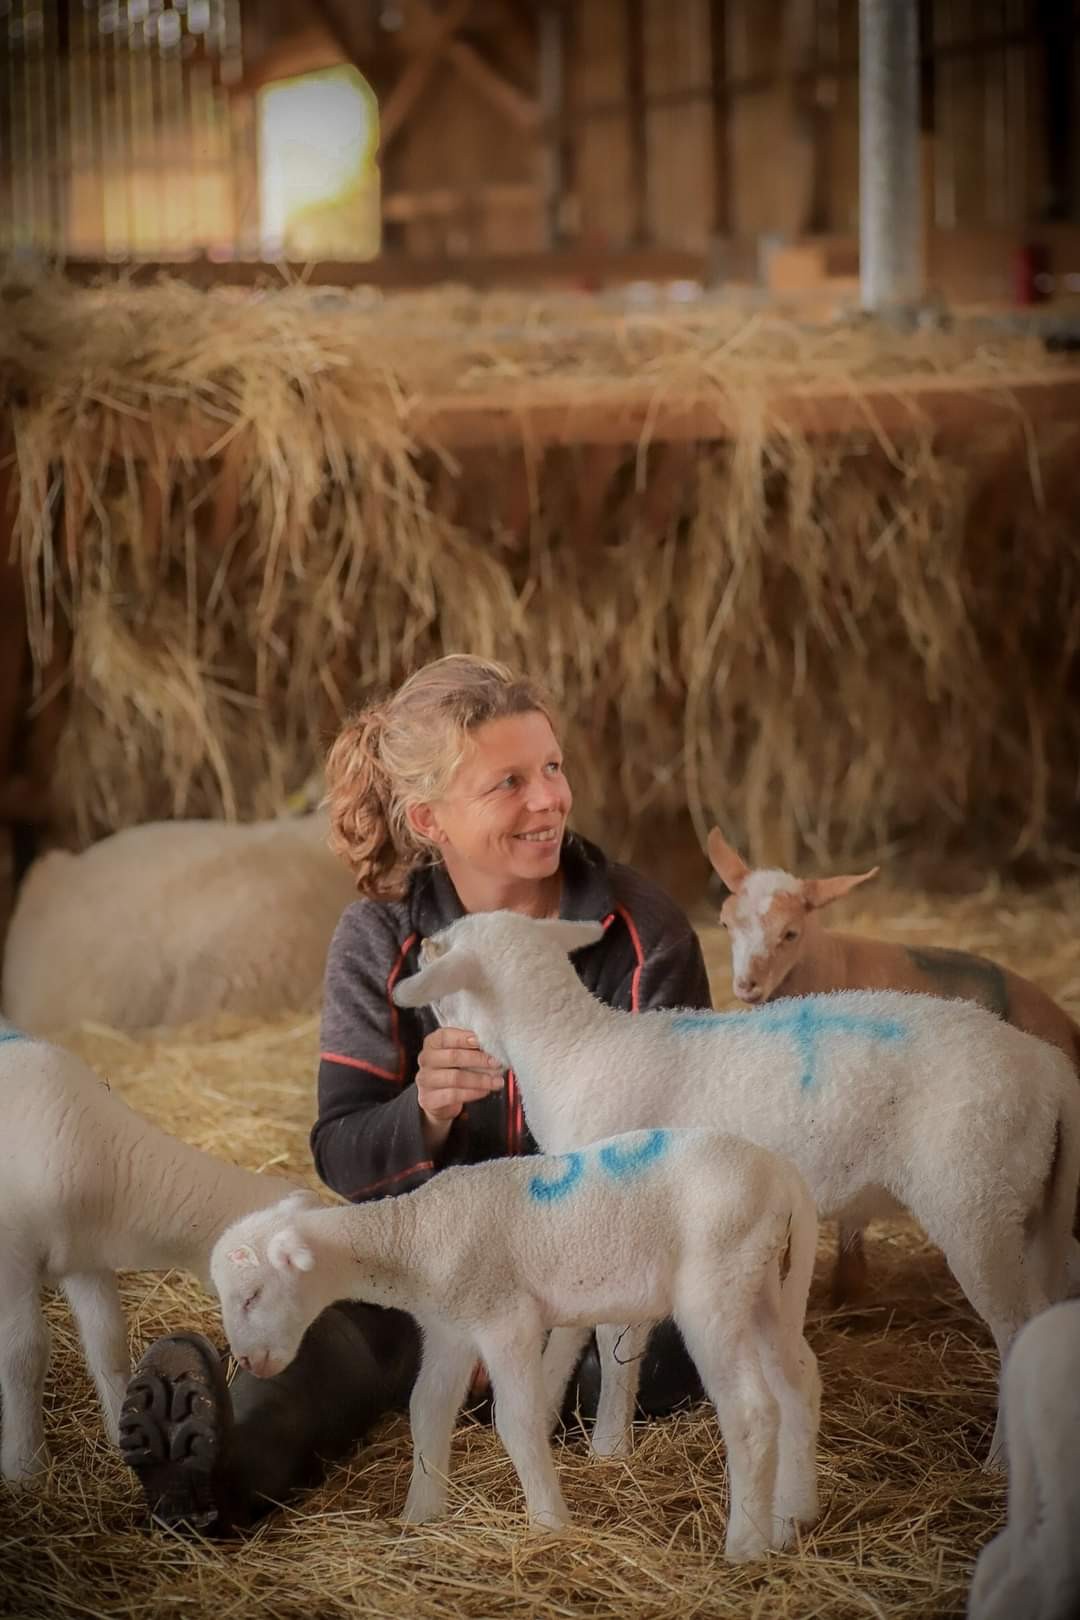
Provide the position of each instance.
(389, 1101)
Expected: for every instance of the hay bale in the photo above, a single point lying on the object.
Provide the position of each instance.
(834, 645)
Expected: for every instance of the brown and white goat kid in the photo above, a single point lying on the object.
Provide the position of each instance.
(780, 947)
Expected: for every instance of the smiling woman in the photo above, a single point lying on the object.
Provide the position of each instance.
(447, 798)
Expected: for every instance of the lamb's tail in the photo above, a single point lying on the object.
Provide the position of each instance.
(1054, 1223)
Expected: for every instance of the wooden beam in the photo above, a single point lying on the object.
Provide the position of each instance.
(407, 92)
(506, 98)
(547, 413)
(551, 412)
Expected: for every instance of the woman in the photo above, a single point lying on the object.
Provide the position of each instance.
(448, 798)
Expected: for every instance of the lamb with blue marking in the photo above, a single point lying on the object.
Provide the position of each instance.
(887, 1102)
(690, 1224)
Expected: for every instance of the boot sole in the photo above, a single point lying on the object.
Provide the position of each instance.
(173, 1423)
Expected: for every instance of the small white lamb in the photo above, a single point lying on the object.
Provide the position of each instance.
(690, 1224)
(88, 1188)
(1031, 1571)
(781, 947)
(885, 1102)
(175, 920)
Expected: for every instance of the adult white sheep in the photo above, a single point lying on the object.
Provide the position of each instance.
(780, 947)
(174, 920)
(690, 1224)
(1032, 1569)
(88, 1188)
(886, 1102)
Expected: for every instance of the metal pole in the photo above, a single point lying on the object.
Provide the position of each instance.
(890, 210)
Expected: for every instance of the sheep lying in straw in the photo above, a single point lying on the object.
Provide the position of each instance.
(885, 1102)
(89, 1188)
(779, 947)
(486, 1257)
(1031, 1571)
(170, 921)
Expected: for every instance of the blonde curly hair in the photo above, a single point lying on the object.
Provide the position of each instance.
(405, 751)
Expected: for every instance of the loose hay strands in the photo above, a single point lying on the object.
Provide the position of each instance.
(831, 644)
(909, 1396)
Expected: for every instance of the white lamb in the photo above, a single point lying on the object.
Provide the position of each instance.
(690, 1224)
(886, 1101)
(1031, 1571)
(175, 920)
(88, 1188)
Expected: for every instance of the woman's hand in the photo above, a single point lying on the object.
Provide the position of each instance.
(453, 1070)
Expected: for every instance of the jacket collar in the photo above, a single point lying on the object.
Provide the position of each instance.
(587, 895)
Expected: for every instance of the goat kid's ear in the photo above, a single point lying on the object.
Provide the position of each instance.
(244, 1255)
(448, 973)
(302, 1198)
(726, 862)
(819, 892)
(287, 1251)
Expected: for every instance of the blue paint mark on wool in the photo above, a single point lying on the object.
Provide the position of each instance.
(548, 1192)
(623, 1162)
(806, 1020)
(11, 1035)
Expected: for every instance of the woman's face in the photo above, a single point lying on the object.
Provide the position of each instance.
(506, 809)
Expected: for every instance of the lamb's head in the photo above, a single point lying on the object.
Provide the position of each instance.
(472, 971)
(768, 915)
(270, 1287)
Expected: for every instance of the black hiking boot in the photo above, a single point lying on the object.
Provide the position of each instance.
(174, 1425)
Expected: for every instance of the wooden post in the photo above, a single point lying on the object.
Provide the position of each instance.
(551, 78)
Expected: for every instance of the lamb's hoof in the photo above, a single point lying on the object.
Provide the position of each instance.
(744, 1545)
(610, 1445)
(173, 1423)
(25, 1473)
(423, 1507)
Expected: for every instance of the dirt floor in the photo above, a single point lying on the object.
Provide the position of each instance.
(909, 1399)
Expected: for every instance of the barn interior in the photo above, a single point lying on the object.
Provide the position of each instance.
(715, 361)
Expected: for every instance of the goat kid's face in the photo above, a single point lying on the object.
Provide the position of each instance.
(270, 1292)
(459, 967)
(767, 915)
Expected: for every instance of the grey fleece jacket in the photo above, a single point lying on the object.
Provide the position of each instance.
(368, 1140)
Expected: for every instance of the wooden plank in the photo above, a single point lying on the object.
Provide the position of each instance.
(520, 109)
(546, 414)
(553, 413)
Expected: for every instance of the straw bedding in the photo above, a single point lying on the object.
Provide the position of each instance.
(855, 645)
(909, 1383)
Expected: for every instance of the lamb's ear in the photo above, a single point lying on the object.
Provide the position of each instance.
(244, 1255)
(302, 1198)
(726, 862)
(819, 892)
(452, 971)
(287, 1251)
(572, 936)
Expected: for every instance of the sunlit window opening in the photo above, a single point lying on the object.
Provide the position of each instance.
(318, 179)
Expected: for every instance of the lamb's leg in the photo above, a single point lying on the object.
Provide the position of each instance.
(24, 1362)
(850, 1271)
(791, 1372)
(749, 1421)
(991, 1270)
(620, 1350)
(95, 1302)
(445, 1370)
(514, 1362)
(561, 1355)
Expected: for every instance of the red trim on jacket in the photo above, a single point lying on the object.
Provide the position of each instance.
(635, 937)
(358, 1063)
(388, 1181)
(395, 974)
